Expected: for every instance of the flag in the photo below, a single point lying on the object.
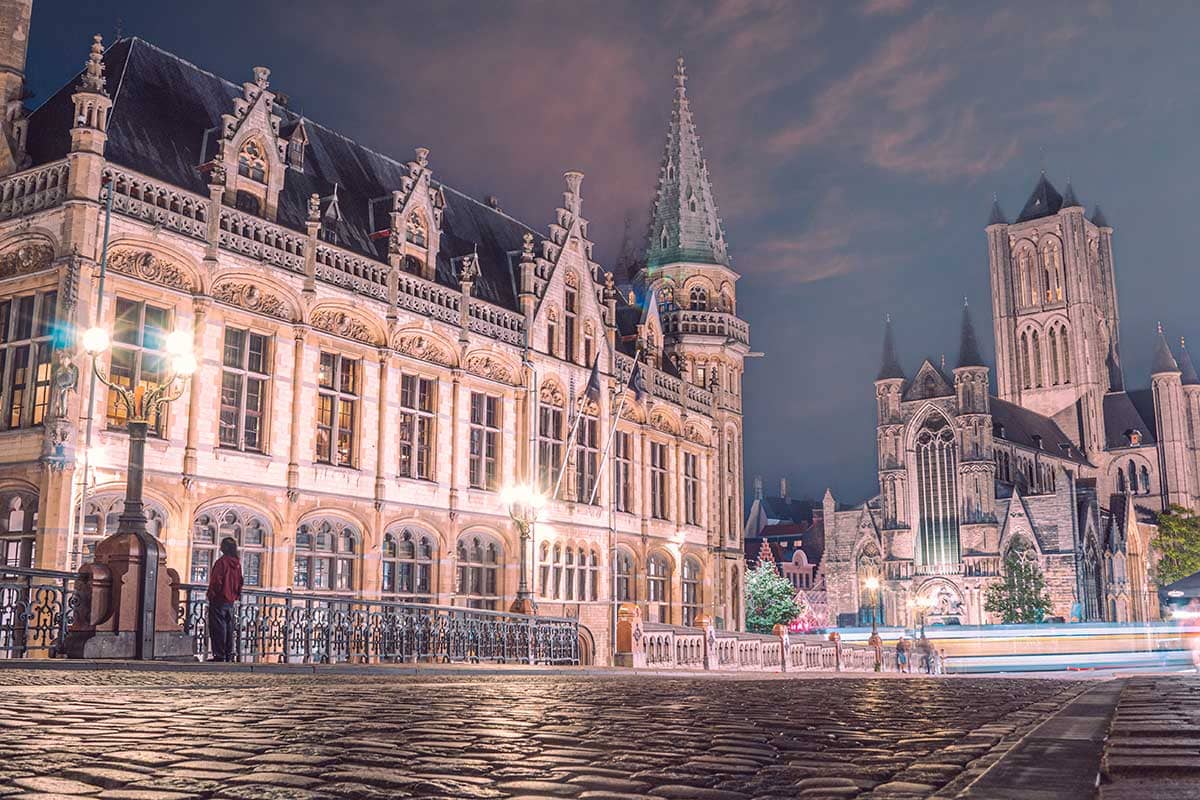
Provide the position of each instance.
(593, 385)
(637, 381)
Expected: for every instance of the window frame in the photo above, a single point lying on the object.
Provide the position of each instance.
(339, 561)
(38, 345)
(660, 505)
(484, 435)
(421, 564)
(419, 416)
(472, 573)
(337, 396)
(138, 355)
(623, 450)
(691, 488)
(247, 376)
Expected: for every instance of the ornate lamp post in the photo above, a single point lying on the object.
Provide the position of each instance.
(141, 404)
(871, 584)
(525, 504)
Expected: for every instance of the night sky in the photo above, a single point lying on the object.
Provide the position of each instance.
(854, 146)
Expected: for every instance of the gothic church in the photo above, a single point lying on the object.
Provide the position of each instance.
(1064, 465)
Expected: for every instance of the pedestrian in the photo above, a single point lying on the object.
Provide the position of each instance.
(224, 589)
(935, 662)
(902, 654)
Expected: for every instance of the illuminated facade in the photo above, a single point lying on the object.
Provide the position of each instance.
(379, 355)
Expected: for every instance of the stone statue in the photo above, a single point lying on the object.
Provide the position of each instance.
(64, 381)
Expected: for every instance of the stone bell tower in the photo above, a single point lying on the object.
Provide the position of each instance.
(688, 273)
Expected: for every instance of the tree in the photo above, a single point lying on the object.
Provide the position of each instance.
(770, 599)
(1021, 596)
(1177, 544)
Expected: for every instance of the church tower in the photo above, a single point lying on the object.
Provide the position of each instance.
(687, 272)
(976, 469)
(14, 41)
(1054, 308)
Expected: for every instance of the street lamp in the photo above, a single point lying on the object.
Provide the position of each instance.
(871, 584)
(141, 403)
(923, 605)
(525, 504)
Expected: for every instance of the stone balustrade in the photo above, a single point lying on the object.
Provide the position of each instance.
(653, 645)
(682, 321)
(668, 387)
(33, 190)
(158, 203)
(262, 240)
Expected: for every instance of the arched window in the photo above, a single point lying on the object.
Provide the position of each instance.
(937, 471)
(248, 529)
(408, 563)
(691, 200)
(18, 528)
(568, 574)
(415, 230)
(570, 318)
(1144, 474)
(658, 579)
(1132, 474)
(698, 298)
(1027, 277)
(101, 519)
(1066, 354)
(870, 602)
(1037, 361)
(413, 265)
(550, 440)
(1052, 264)
(252, 162)
(544, 588)
(626, 587)
(1024, 359)
(593, 576)
(480, 560)
(662, 239)
(1053, 358)
(692, 599)
(1121, 485)
(326, 550)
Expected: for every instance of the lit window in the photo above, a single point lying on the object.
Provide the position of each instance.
(325, 554)
(337, 409)
(26, 341)
(480, 560)
(138, 357)
(417, 416)
(485, 441)
(244, 375)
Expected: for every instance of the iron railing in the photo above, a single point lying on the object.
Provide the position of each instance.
(36, 608)
(311, 628)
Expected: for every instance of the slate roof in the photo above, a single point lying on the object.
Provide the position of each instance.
(997, 216)
(1069, 200)
(1021, 426)
(889, 366)
(1044, 201)
(1098, 219)
(1121, 414)
(162, 108)
(1163, 361)
(1190, 378)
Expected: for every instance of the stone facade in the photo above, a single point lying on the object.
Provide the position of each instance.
(379, 355)
(1064, 465)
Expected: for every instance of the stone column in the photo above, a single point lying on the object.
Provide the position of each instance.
(200, 308)
(293, 473)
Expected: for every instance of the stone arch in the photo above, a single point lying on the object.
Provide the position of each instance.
(104, 505)
(421, 343)
(249, 527)
(27, 252)
(334, 514)
(493, 365)
(441, 541)
(276, 521)
(664, 420)
(344, 320)
(152, 261)
(1027, 271)
(552, 392)
(257, 293)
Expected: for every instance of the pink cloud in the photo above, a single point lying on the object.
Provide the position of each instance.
(873, 8)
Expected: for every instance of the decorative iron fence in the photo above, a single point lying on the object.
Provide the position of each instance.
(308, 628)
(36, 608)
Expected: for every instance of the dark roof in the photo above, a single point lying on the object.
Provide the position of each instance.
(1163, 361)
(1121, 415)
(889, 366)
(164, 113)
(789, 508)
(1021, 426)
(1190, 378)
(1098, 219)
(1044, 201)
(1069, 200)
(997, 216)
(968, 345)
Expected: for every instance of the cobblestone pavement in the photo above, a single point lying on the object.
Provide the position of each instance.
(164, 735)
(1153, 749)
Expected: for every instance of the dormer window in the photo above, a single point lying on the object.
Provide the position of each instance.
(998, 430)
(295, 153)
(1134, 437)
(252, 162)
(247, 202)
(1037, 441)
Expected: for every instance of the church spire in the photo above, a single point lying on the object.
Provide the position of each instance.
(889, 366)
(1163, 360)
(968, 345)
(1189, 377)
(684, 223)
(997, 216)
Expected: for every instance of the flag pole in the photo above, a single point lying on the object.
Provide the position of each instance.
(562, 470)
(612, 434)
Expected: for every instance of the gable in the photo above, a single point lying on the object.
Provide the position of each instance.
(929, 382)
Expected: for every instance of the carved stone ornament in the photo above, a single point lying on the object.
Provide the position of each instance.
(551, 394)
(147, 266)
(424, 348)
(663, 423)
(25, 259)
(340, 323)
(488, 367)
(252, 298)
(696, 435)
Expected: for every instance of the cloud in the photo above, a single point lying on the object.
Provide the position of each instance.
(875, 8)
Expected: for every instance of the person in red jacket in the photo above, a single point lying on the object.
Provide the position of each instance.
(224, 589)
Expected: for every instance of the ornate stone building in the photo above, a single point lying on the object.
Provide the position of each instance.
(379, 354)
(1063, 465)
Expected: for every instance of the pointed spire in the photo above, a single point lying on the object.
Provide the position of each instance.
(1043, 201)
(1189, 377)
(684, 222)
(1163, 360)
(997, 216)
(92, 79)
(1069, 200)
(968, 345)
(1098, 219)
(889, 366)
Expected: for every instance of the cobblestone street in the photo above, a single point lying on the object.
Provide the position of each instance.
(174, 735)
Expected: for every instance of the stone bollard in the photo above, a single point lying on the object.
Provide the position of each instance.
(836, 638)
(631, 651)
(110, 589)
(784, 646)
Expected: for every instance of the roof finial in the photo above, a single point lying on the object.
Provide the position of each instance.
(965, 303)
(680, 72)
(1160, 328)
(943, 362)
(887, 318)
(93, 72)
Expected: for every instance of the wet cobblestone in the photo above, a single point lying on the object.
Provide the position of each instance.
(166, 735)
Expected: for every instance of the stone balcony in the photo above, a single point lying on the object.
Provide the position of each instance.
(685, 322)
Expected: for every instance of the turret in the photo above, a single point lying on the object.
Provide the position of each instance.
(89, 128)
(1175, 466)
(970, 373)
(889, 431)
(889, 383)
(975, 427)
